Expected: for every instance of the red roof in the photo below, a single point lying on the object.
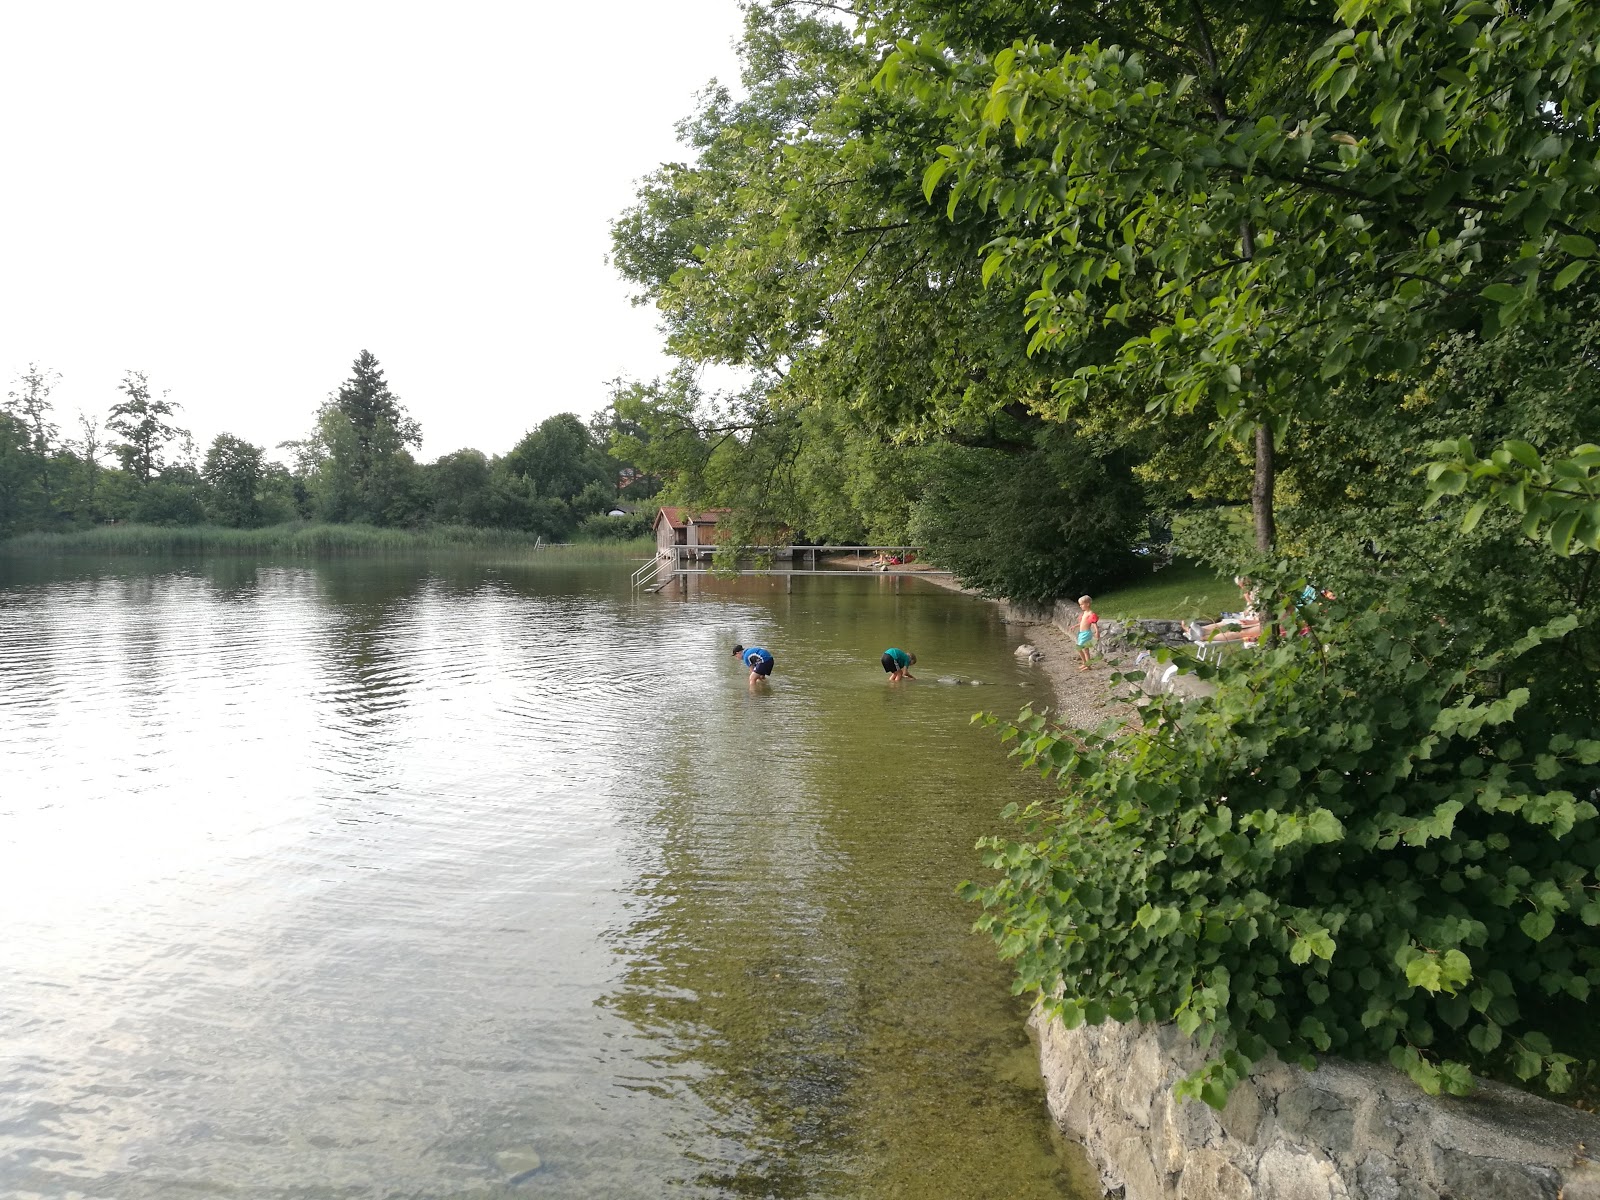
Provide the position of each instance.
(677, 518)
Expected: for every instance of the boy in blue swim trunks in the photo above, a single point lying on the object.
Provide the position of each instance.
(758, 660)
(1088, 630)
(898, 664)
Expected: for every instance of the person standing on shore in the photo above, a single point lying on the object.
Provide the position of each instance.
(1088, 630)
(758, 660)
(898, 664)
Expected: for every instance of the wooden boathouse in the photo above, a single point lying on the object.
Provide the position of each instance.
(683, 527)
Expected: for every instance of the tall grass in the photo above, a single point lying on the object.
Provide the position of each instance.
(301, 540)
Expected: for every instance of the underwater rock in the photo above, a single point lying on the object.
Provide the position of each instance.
(519, 1164)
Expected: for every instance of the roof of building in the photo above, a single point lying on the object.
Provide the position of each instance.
(679, 518)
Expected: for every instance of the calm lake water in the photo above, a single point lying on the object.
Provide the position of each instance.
(420, 880)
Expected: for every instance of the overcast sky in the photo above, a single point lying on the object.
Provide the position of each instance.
(237, 199)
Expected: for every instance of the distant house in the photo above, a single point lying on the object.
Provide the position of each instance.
(685, 527)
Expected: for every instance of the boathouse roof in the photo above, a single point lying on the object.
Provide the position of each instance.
(679, 518)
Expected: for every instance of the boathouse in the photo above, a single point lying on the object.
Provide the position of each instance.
(685, 527)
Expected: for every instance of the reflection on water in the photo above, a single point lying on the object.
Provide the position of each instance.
(399, 879)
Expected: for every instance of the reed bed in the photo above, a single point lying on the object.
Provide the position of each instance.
(315, 540)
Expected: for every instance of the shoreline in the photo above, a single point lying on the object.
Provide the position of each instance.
(1083, 699)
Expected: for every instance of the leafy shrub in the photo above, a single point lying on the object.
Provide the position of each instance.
(1378, 839)
(601, 528)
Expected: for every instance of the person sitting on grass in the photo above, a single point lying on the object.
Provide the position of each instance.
(898, 664)
(758, 660)
(1088, 623)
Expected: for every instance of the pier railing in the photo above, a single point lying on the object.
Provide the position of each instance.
(673, 564)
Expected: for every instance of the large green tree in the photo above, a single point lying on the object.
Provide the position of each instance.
(556, 476)
(797, 246)
(141, 420)
(29, 402)
(235, 471)
(1255, 201)
(361, 450)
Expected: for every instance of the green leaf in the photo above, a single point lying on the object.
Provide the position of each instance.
(1538, 925)
(1569, 274)
(1522, 452)
(1340, 85)
(1548, 148)
(991, 264)
(1561, 532)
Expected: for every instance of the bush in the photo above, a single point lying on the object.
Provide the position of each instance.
(601, 528)
(179, 500)
(1378, 839)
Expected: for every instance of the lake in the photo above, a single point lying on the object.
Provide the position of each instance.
(421, 879)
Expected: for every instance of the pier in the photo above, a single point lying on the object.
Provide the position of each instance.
(676, 564)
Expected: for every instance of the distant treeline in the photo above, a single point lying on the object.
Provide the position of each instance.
(355, 466)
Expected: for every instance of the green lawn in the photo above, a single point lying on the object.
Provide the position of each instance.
(1181, 591)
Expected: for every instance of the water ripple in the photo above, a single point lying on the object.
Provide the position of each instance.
(371, 880)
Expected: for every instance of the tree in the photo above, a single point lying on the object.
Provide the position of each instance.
(364, 469)
(1032, 527)
(1257, 199)
(458, 487)
(31, 405)
(367, 403)
(17, 471)
(87, 447)
(234, 471)
(555, 476)
(798, 246)
(141, 421)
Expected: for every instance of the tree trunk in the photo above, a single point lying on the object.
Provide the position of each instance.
(1261, 490)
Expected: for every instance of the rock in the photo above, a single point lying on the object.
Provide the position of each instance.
(1470, 1176)
(1242, 1117)
(1210, 1176)
(1025, 651)
(1289, 1173)
(1132, 1160)
(519, 1163)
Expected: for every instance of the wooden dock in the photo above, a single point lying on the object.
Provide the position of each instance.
(865, 561)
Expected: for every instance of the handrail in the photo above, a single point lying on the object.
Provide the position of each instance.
(670, 562)
(637, 579)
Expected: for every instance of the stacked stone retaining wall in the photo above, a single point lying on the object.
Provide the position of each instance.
(1346, 1131)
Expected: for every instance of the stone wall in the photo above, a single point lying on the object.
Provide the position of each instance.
(1345, 1131)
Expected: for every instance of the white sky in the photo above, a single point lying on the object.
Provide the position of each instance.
(238, 198)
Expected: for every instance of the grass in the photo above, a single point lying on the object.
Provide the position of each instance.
(302, 540)
(1181, 591)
